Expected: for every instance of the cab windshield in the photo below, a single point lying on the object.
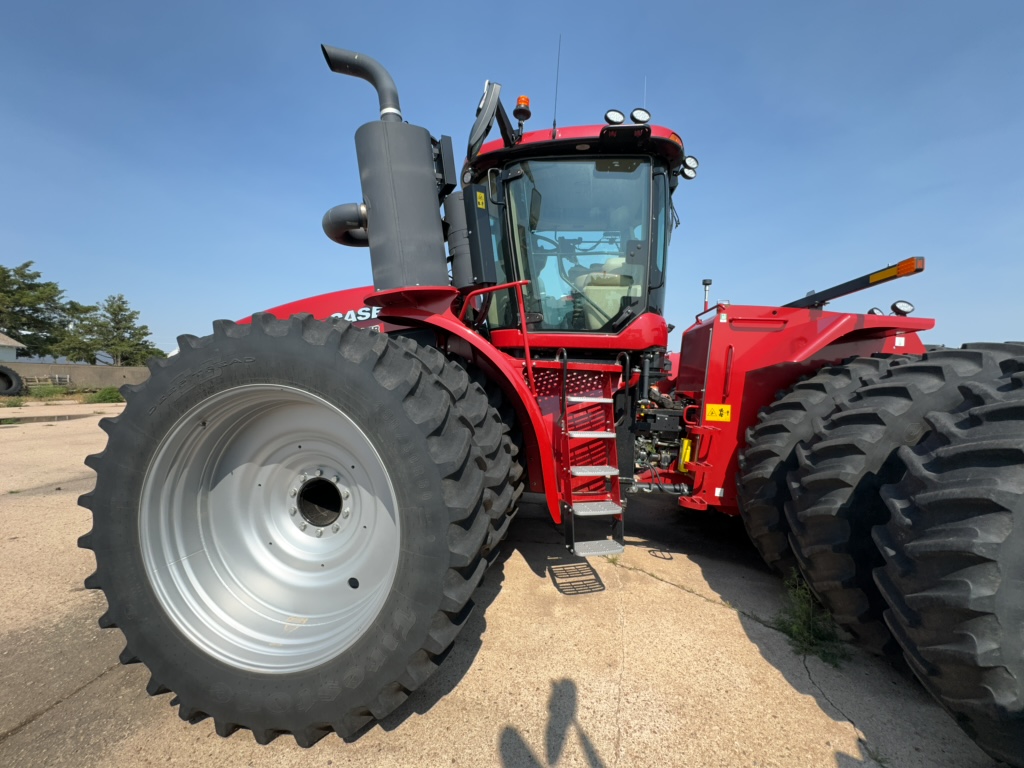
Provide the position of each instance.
(580, 232)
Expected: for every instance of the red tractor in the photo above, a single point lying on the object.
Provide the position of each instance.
(292, 514)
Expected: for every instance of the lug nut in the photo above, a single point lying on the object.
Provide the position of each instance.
(335, 479)
(292, 511)
(346, 512)
(335, 528)
(345, 494)
(302, 526)
(292, 493)
(319, 532)
(319, 472)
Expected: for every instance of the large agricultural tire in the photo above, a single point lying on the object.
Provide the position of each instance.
(512, 433)
(834, 492)
(276, 612)
(10, 382)
(770, 451)
(493, 422)
(954, 565)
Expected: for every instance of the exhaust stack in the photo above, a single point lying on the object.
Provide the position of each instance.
(399, 183)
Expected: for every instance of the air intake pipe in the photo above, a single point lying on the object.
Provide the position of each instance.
(346, 224)
(399, 213)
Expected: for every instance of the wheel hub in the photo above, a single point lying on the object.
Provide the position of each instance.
(321, 502)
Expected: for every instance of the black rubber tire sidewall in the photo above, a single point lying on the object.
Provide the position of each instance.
(10, 382)
(850, 457)
(769, 453)
(954, 565)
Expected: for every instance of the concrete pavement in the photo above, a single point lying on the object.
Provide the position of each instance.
(664, 656)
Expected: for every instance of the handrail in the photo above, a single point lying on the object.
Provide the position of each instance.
(627, 372)
(561, 356)
(728, 372)
(488, 289)
(697, 317)
(518, 285)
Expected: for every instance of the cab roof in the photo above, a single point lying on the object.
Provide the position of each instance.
(584, 140)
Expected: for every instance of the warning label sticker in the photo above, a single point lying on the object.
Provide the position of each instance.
(717, 412)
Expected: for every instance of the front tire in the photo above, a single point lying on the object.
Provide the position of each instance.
(288, 522)
(482, 404)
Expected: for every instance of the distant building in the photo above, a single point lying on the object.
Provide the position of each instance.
(9, 349)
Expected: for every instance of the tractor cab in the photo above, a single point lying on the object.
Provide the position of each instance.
(589, 234)
(582, 216)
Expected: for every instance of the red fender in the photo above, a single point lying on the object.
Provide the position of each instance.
(430, 307)
(349, 304)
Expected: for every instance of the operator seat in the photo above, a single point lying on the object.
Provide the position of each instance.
(605, 289)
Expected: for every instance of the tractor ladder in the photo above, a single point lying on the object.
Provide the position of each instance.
(587, 455)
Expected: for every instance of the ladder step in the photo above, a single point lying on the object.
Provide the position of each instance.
(583, 399)
(592, 435)
(601, 470)
(594, 508)
(597, 548)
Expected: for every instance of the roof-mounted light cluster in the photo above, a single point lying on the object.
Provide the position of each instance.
(689, 169)
(639, 116)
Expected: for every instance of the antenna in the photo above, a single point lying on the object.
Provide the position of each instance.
(554, 114)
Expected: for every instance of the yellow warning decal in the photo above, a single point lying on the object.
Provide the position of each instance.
(481, 200)
(717, 412)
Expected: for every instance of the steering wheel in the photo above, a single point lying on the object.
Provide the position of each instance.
(546, 239)
(565, 277)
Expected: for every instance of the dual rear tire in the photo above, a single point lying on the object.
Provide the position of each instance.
(835, 489)
(770, 453)
(953, 568)
(904, 515)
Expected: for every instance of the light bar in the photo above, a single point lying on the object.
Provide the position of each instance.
(910, 266)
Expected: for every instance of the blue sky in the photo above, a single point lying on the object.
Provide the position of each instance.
(183, 153)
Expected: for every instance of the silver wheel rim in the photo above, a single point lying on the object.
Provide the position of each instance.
(269, 528)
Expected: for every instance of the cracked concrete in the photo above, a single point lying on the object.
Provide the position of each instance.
(667, 658)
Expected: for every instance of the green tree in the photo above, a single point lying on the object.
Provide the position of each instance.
(119, 339)
(31, 310)
(77, 339)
